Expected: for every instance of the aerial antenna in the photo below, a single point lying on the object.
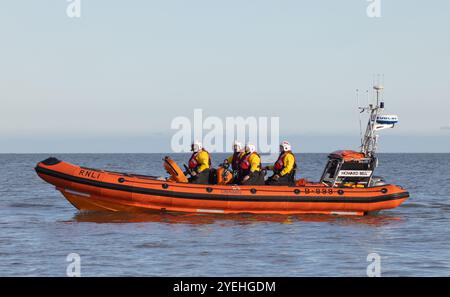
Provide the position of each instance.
(368, 97)
(359, 114)
(374, 77)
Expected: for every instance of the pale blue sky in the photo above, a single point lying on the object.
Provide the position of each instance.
(113, 80)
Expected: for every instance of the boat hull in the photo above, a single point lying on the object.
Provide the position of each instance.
(92, 189)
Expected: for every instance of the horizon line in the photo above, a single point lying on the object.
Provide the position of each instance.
(172, 153)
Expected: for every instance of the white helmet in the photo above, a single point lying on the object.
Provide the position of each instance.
(237, 146)
(196, 146)
(250, 148)
(285, 146)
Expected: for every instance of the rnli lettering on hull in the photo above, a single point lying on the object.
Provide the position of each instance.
(356, 173)
(233, 189)
(89, 173)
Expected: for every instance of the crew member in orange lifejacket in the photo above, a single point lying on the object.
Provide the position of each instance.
(284, 168)
(235, 159)
(199, 164)
(250, 172)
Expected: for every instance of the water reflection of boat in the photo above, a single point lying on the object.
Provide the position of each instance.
(100, 217)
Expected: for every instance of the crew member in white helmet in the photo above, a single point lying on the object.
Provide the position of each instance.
(199, 164)
(284, 168)
(250, 172)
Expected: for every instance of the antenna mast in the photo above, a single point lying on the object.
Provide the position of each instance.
(377, 121)
(369, 143)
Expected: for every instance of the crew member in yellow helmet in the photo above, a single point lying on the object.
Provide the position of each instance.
(284, 168)
(199, 164)
(250, 172)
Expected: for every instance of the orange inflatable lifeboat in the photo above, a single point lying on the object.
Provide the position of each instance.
(336, 193)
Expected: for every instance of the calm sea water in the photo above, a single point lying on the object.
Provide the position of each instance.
(39, 228)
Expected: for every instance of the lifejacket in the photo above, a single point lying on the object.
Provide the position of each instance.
(193, 163)
(235, 162)
(279, 164)
(244, 164)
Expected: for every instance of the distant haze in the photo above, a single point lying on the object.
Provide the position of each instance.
(113, 80)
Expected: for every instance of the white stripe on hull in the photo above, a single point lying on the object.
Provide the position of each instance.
(344, 213)
(210, 210)
(77, 193)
